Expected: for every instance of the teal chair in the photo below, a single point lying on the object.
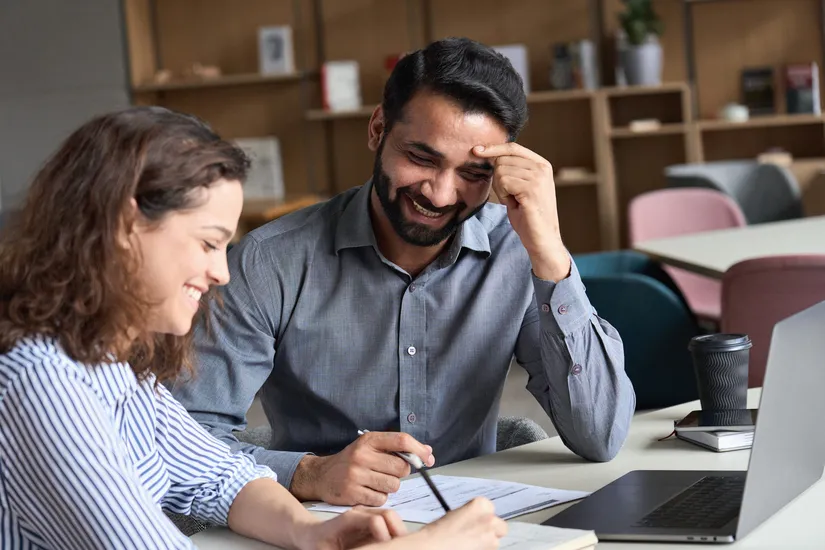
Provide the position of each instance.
(643, 303)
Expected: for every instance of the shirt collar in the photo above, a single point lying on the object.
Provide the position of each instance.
(354, 229)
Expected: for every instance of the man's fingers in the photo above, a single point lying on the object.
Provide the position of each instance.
(510, 160)
(368, 497)
(398, 442)
(506, 149)
(381, 483)
(514, 172)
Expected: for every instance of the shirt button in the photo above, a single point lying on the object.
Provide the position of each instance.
(576, 369)
(411, 418)
(411, 350)
(545, 308)
(412, 287)
(562, 310)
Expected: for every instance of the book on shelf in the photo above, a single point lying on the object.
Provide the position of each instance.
(802, 89)
(341, 85)
(719, 440)
(758, 93)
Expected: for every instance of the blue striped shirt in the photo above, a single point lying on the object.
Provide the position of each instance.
(90, 457)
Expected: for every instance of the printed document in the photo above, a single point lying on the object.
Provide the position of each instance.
(416, 503)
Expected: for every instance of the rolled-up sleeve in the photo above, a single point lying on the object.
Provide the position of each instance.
(575, 360)
(206, 475)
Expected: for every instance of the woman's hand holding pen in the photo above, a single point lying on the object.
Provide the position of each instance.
(363, 473)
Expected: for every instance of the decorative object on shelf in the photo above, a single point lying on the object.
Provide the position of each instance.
(777, 156)
(641, 58)
(644, 125)
(574, 66)
(734, 112)
(517, 54)
(561, 70)
(197, 70)
(266, 174)
(390, 62)
(341, 85)
(162, 76)
(802, 88)
(276, 53)
(758, 90)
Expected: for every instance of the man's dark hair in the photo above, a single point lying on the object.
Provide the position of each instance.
(477, 77)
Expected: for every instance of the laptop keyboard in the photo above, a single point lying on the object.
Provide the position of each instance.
(710, 503)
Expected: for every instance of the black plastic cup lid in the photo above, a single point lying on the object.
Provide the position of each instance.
(720, 342)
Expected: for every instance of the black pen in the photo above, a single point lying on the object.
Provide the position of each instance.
(416, 462)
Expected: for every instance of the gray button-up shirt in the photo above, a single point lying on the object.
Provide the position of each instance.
(338, 339)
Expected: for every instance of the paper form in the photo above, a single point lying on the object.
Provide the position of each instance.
(415, 502)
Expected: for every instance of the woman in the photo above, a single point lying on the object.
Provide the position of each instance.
(123, 232)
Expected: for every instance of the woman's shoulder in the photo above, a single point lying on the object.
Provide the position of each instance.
(40, 360)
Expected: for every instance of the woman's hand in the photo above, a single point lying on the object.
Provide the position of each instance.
(474, 526)
(352, 529)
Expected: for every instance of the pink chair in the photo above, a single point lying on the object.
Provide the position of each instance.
(758, 293)
(681, 211)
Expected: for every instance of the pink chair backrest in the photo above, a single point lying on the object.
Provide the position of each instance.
(758, 293)
(681, 211)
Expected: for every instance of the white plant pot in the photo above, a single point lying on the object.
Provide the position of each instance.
(643, 64)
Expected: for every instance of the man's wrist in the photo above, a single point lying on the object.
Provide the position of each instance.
(304, 479)
(553, 265)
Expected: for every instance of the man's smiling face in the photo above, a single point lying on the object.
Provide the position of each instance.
(426, 176)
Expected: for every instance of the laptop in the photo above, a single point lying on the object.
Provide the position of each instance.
(787, 457)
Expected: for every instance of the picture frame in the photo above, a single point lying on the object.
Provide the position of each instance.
(276, 51)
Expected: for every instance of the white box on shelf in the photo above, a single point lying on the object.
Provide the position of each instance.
(266, 175)
(276, 54)
(517, 54)
(340, 82)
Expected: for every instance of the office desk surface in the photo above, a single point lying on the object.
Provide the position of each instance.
(800, 525)
(713, 252)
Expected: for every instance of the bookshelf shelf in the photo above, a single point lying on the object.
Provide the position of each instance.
(761, 122)
(664, 129)
(321, 114)
(664, 88)
(536, 97)
(559, 95)
(221, 81)
(590, 179)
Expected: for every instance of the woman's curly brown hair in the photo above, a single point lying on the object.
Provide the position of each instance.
(64, 269)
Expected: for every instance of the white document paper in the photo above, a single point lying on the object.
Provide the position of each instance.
(526, 536)
(416, 503)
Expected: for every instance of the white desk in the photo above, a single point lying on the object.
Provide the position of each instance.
(713, 252)
(800, 525)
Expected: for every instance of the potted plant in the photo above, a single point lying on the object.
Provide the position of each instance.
(641, 57)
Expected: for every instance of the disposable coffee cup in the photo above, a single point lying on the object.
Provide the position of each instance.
(720, 362)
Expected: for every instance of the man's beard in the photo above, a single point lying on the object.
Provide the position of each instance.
(415, 233)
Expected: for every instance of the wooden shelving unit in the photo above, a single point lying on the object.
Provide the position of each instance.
(706, 45)
(223, 80)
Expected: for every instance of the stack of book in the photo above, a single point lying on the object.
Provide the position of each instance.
(718, 440)
(718, 430)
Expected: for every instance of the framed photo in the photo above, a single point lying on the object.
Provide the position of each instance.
(276, 53)
(266, 175)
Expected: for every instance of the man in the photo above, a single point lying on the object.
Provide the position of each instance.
(396, 307)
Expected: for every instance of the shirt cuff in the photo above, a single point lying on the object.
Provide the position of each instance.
(563, 307)
(245, 471)
(283, 463)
